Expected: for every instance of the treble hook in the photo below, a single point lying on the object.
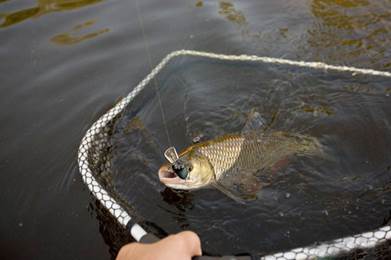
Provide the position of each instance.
(171, 155)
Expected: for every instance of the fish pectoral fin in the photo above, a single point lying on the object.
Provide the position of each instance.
(249, 186)
(228, 193)
(241, 185)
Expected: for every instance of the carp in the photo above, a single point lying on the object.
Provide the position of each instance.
(234, 163)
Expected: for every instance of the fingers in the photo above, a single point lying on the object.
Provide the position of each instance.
(182, 246)
(191, 241)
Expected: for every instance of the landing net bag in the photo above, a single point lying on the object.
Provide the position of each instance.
(335, 204)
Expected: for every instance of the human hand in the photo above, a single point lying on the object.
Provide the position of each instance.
(181, 246)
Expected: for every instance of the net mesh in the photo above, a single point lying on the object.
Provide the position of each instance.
(94, 165)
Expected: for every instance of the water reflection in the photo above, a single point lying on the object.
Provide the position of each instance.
(43, 7)
(228, 10)
(355, 30)
(75, 35)
(199, 3)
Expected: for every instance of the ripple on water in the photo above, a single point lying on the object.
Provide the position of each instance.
(308, 199)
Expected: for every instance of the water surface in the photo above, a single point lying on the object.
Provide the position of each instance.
(64, 63)
(340, 190)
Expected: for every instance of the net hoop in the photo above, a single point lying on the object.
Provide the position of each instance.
(95, 135)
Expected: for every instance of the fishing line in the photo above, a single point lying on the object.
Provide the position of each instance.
(155, 82)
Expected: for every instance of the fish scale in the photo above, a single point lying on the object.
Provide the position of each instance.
(253, 152)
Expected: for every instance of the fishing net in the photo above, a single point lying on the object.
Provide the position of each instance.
(95, 155)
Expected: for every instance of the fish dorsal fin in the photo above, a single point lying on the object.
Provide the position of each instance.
(227, 192)
(255, 121)
(171, 155)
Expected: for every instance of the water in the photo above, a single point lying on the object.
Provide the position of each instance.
(64, 63)
(339, 191)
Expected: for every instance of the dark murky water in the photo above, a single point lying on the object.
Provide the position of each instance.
(65, 62)
(341, 191)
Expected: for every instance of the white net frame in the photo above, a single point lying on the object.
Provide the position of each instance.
(96, 137)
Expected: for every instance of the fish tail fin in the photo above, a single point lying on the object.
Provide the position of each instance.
(315, 148)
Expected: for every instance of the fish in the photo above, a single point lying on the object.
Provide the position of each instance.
(235, 163)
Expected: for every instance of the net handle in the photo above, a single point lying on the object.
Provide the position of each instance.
(140, 235)
(150, 238)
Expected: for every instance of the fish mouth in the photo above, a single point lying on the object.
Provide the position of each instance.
(167, 176)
